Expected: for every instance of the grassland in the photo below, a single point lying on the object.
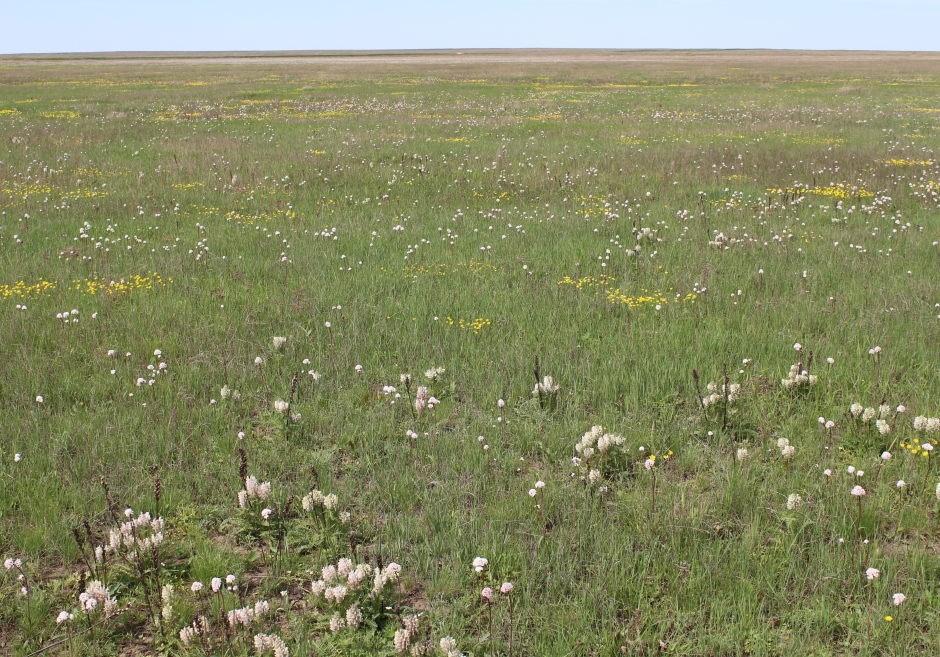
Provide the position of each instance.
(623, 218)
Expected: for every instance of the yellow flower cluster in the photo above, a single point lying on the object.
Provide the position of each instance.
(21, 290)
(648, 299)
(93, 286)
(588, 281)
(60, 114)
(916, 448)
(908, 163)
(836, 191)
(475, 325)
(472, 267)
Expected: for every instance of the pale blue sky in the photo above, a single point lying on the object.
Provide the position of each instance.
(108, 25)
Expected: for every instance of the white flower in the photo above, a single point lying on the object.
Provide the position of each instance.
(886, 456)
(927, 447)
(872, 574)
(858, 491)
(359, 369)
(196, 587)
(266, 513)
(794, 501)
(901, 484)
(883, 427)
(39, 399)
(281, 406)
(898, 599)
(649, 464)
(540, 484)
(259, 360)
(856, 410)
(788, 451)
(216, 584)
(279, 341)
(742, 453)
(532, 492)
(479, 563)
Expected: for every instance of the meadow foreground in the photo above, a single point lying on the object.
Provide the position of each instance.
(495, 354)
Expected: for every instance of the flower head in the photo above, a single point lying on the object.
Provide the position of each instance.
(872, 574)
(898, 598)
(487, 594)
(858, 491)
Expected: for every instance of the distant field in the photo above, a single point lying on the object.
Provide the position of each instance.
(342, 274)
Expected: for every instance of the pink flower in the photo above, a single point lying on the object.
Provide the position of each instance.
(858, 491)
(506, 588)
(872, 574)
(898, 599)
(487, 594)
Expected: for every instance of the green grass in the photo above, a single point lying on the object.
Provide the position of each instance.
(503, 183)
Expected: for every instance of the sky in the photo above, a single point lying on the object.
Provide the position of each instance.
(48, 26)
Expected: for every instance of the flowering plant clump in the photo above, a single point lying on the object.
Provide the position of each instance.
(356, 596)
(313, 521)
(602, 454)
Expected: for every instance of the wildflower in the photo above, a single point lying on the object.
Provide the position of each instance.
(39, 399)
(63, 616)
(546, 386)
(259, 360)
(434, 373)
(938, 492)
(281, 406)
(794, 501)
(901, 408)
(788, 451)
(594, 476)
(506, 588)
(742, 453)
(901, 484)
(540, 484)
(266, 513)
(17, 457)
(532, 492)
(216, 584)
(487, 594)
(898, 599)
(831, 360)
(886, 456)
(279, 342)
(448, 644)
(856, 410)
(649, 464)
(337, 623)
(782, 442)
(354, 617)
(196, 587)
(883, 427)
(480, 563)
(226, 392)
(872, 574)
(874, 351)
(359, 369)
(920, 423)
(858, 491)
(927, 447)
(401, 640)
(851, 469)
(501, 404)
(827, 472)
(868, 414)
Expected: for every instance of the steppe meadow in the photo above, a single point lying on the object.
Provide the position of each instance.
(470, 354)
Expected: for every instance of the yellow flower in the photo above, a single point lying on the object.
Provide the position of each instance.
(889, 618)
